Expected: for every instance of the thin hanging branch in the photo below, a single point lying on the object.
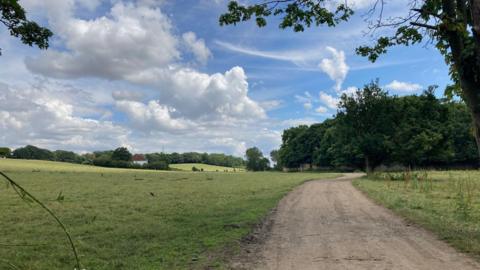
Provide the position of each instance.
(24, 193)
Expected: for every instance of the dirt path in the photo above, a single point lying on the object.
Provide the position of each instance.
(328, 224)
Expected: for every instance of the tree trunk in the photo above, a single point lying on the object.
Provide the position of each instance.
(368, 168)
(467, 67)
(475, 9)
(472, 99)
(471, 87)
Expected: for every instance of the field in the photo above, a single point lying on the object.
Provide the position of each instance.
(447, 203)
(205, 167)
(132, 219)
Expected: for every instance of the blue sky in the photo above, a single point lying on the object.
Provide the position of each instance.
(153, 75)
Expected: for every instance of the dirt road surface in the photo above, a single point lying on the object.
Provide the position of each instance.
(328, 224)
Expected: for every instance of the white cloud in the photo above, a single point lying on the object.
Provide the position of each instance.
(151, 116)
(270, 105)
(306, 99)
(197, 47)
(129, 39)
(329, 100)
(403, 86)
(351, 90)
(36, 116)
(294, 56)
(197, 95)
(321, 109)
(335, 67)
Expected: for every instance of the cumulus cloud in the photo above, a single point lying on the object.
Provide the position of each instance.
(133, 46)
(197, 95)
(328, 100)
(131, 38)
(335, 67)
(403, 86)
(36, 116)
(151, 116)
(197, 47)
(135, 43)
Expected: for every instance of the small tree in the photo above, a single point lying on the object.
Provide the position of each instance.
(5, 152)
(255, 160)
(275, 157)
(122, 154)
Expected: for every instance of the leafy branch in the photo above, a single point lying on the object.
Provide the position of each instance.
(27, 196)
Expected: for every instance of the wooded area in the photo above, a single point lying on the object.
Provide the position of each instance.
(373, 128)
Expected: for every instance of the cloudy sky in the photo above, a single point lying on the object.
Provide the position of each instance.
(157, 75)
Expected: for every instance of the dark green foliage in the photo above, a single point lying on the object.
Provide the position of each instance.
(32, 152)
(367, 118)
(5, 152)
(296, 14)
(372, 128)
(157, 165)
(193, 157)
(14, 18)
(255, 160)
(121, 154)
(67, 156)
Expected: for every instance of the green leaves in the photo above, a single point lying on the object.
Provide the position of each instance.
(297, 15)
(405, 35)
(14, 18)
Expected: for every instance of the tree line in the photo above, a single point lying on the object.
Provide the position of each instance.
(372, 128)
(122, 158)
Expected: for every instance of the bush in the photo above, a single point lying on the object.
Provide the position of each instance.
(195, 169)
(158, 165)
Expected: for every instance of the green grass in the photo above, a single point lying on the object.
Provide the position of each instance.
(205, 167)
(132, 219)
(447, 203)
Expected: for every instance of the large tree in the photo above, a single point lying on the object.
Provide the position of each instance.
(13, 16)
(452, 25)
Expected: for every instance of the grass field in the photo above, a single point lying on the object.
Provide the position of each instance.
(132, 219)
(205, 167)
(447, 203)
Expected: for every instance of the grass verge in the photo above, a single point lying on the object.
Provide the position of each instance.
(446, 203)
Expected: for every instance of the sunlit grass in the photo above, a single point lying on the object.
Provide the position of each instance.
(132, 219)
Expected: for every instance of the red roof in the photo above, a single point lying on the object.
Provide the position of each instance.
(138, 157)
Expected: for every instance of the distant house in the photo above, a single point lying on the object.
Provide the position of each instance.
(139, 159)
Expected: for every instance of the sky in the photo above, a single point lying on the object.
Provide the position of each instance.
(160, 75)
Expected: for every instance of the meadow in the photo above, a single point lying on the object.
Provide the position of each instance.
(205, 167)
(447, 203)
(132, 219)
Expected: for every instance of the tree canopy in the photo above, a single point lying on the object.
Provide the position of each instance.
(373, 128)
(13, 17)
(122, 154)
